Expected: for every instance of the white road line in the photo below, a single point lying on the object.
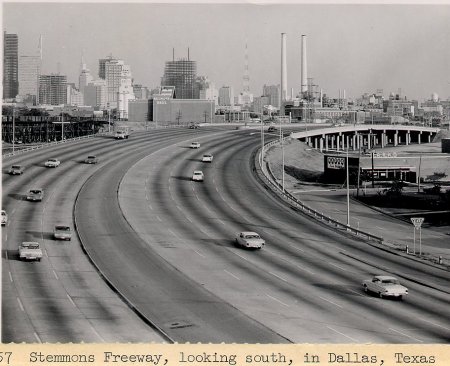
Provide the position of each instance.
(335, 265)
(345, 335)
(245, 259)
(281, 278)
(170, 231)
(179, 208)
(437, 325)
(159, 218)
(381, 228)
(188, 219)
(331, 302)
(297, 248)
(56, 276)
(20, 304)
(304, 269)
(200, 254)
(37, 337)
(274, 298)
(70, 299)
(151, 208)
(395, 330)
(232, 274)
(10, 277)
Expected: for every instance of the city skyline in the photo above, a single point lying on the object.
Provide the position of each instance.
(356, 47)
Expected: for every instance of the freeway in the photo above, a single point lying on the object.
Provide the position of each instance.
(166, 245)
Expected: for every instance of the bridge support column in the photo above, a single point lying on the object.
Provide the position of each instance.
(332, 141)
(429, 137)
(316, 144)
(419, 138)
(326, 142)
(396, 138)
(321, 144)
(347, 140)
(354, 142)
(368, 142)
(407, 138)
(338, 142)
(383, 139)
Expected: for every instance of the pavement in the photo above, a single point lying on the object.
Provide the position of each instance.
(429, 244)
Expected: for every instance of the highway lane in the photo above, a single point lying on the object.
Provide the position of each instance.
(62, 298)
(305, 284)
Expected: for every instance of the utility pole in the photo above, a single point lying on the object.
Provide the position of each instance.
(14, 129)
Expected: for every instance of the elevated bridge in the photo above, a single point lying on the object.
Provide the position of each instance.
(354, 137)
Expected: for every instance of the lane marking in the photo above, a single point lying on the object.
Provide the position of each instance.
(231, 274)
(37, 337)
(20, 304)
(395, 330)
(10, 277)
(245, 259)
(304, 269)
(274, 298)
(170, 231)
(335, 265)
(70, 299)
(281, 278)
(200, 254)
(159, 218)
(437, 325)
(151, 207)
(345, 335)
(297, 248)
(331, 302)
(56, 276)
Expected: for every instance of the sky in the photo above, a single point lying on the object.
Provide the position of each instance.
(356, 47)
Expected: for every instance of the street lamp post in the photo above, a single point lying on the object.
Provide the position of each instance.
(13, 130)
(348, 190)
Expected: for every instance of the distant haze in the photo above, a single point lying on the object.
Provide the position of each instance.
(359, 48)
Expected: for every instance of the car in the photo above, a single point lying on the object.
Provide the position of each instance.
(62, 232)
(250, 239)
(207, 158)
(91, 159)
(36, 194)
(195, 145)
(16, 170)
(271, 129)
(52, 163)
(198, 176)
(4, 217)
(385, 286)
(193, 125)
(30, 250)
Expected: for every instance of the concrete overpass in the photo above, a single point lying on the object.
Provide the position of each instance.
(354, 137)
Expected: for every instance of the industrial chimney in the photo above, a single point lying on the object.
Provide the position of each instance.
(304, 75)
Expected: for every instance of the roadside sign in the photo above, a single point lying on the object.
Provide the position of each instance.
(417, 221)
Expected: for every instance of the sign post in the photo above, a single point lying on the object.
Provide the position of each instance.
(417, 222)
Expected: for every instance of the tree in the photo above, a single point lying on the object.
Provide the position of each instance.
(396, 188)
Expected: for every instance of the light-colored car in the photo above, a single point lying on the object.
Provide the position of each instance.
(207, 158)
(16, 170)
(195, 145)
(4, 217)
(52, 163)
(62, 232)
(30, 250)
(385, 286)
(91, 159)
(198, 176)
(250, 239)
(36, 194)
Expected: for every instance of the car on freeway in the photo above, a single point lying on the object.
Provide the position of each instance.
(91, 159)
(271, 129)
(207, 158)
(195, 145)
(250, 239)
(30, 250)
(193, 126)
(385, 286)
(62, 232)
(4, 217)
(198, 176)
(52, 163)
(16, 169)
(36, 194)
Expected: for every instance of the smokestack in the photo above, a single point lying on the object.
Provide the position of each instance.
(292, 93)
(283, 69)
(304, 76)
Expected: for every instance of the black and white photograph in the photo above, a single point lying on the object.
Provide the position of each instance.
(246, 172)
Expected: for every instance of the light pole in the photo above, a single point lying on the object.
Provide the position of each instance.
(348, 191)
(282, 155)
(14, 129)
(262, 139)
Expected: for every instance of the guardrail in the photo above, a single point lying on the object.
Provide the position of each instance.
(269, 178)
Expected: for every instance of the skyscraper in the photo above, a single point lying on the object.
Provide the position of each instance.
(52, 89)
(29, 71)
(226, 96)
(84, 79)
(182, 75)
(118, 79)
(10, 65)
(273, 92)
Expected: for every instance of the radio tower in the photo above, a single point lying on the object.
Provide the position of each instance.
(246, 73)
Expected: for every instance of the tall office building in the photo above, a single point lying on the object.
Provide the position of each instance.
(95, 94)
(52, 89)
(84, 79)
(118, 77)
(226, 95)
(10, 65)
(273, 92)
(182, 75)
(29, 71)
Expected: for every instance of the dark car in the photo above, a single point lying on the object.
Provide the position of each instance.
(16, 169)
(271, 129)
(91, 159)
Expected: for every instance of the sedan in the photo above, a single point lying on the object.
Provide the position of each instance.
(16, 169)
(250, 239)
(52, 163)
(62, 232)
(35, 195)
(91, 159)
(385, 286)
(4, 217)
(198, 176)
(195, 145)
(207, 158)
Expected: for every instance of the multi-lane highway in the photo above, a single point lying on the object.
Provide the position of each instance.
(165, 244)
